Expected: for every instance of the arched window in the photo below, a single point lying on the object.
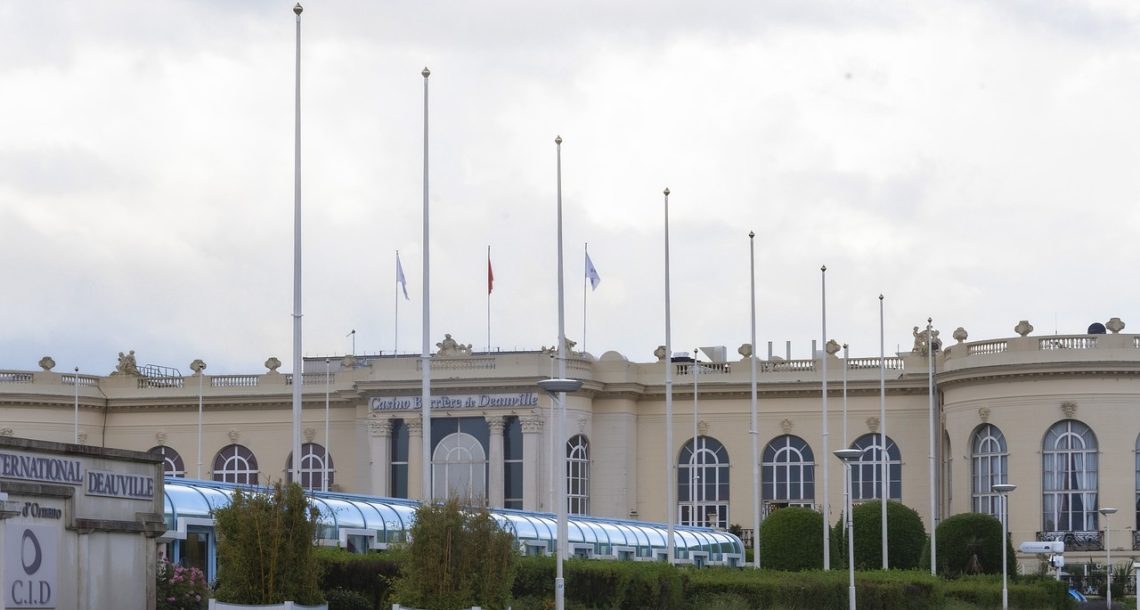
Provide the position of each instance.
(867, 471)
(235, 464)
(172, 465)
(989, 459)
(789, 473)
(702, 483)
(312, 467)
(1069, 469)
(459, 468)
(578, 475)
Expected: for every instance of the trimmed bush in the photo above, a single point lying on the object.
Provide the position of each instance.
(792, 540)
(370, 575)
(265, 547)
(628, 585)
(970, 543)
(457, 559)
(816, 590)
(1027, 594)
(905, 536)
(345, 599)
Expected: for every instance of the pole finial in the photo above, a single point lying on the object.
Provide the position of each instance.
(751, 234)
(666, 191)
(426, 72)
(930, 320)
(880, 297)
(297, 9)
(823, 268)
(558, 140)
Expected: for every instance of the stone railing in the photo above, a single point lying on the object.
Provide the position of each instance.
(785, 366)
(988, 347)
(890, 363)
(72, 379)
(161, 382)
(1072, 342)
(703, 368)
(1075, 541)
(459, 364)
(234, 381)
(15, 377)
(312, 378)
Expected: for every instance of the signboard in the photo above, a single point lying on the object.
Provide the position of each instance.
(31, 565)
(457, 401)
(119, 485)
(43, 468)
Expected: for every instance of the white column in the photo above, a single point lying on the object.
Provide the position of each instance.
(415, 459)
(496, 465)
(380, 455)
(533, 484)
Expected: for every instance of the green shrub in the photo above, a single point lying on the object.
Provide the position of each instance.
(905, 536)
(969, 543)
(600, 584)
(265, 547)
(815, 590)
(792, 539)
(345, 599)
(1027, 594)
(457, 559)
(369, 574)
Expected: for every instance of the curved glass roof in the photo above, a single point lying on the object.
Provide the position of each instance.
(391, 518)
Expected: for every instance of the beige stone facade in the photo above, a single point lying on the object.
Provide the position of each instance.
(1063, 409)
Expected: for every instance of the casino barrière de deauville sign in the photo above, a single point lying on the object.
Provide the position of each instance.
(457, 401)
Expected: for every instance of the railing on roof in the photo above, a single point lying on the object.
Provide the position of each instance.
(1073, 342)
(15, 377)
(891, 363)
(234, 381)
(463, 363)
(312, 378)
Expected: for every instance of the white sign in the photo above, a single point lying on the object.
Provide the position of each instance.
(459, 401)
(31, 565)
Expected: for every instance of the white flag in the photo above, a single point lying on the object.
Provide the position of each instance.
(400, 279)
(592, 273)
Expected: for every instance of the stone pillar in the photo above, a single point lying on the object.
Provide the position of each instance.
(496, 492)
(533, 487)
(380, 456)
(415, 457)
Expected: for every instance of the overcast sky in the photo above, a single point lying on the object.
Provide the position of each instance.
(974, 161)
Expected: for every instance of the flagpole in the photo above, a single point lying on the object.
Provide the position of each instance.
(585, 278)
(298, 371)
(753, 431)
(670, 506)
(694, 473)
(930, 391)
(488, 298)
(883, 458)
(826, 449)
(560, 439)
(396, 317)
(425, 351)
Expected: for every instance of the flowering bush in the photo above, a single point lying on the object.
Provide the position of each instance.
(180, 587)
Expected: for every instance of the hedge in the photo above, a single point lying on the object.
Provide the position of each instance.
(905, 536)
(792, 539)
(370, 575)
(1028, 593)
(970, 543)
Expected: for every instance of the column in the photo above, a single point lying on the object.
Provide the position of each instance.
(415, 469)
(380, 455)
(533, 487)
(495, 485)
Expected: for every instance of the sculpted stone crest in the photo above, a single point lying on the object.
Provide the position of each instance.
(450, 347)
(127, 365)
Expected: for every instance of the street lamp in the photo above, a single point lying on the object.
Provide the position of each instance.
(1106, 511)
(847, 456)
(557, 388)
(1003, 490)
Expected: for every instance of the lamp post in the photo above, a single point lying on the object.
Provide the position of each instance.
(1003, 489)
(1107, 512)
(557, 388)
(847, 456)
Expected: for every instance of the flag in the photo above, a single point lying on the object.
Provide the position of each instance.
(490, 276)
(400, 279)
(592, 273)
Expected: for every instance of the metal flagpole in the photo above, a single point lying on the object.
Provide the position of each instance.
(396, 317)
(845, 367)
(200, 376)
(826, 449)
(930, 391)
(754, 432)
(560, 439)
(585, 278)
(670, 463)
(883, 432)
(75, 382)
(298, 365)
(488, 298)
(694, 472)
(425, 352)
(328, 444)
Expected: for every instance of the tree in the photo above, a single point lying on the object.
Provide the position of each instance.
(265, 547)
(457, 559)
(970, 543)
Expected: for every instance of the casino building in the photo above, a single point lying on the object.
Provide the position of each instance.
(1053, 414)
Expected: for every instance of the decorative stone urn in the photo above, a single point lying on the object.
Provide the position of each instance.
(1115, 325)
(960, 335)
(1023, 328)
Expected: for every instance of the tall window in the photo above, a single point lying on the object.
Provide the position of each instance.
(172, 465)
(702, 483)
(867, 471)
(312, 467)
(235, 464)
(989, 459)
(513, 463)
(1069, 469)
(459, 468)
(789, 472)
(578, 475)
(399, 457)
